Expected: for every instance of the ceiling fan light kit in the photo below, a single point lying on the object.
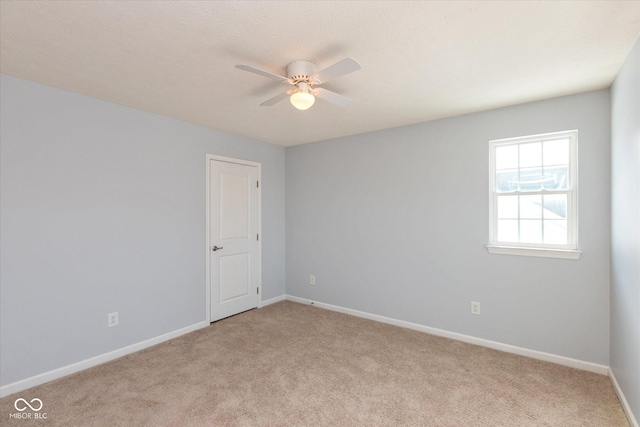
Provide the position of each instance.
(302, 99)
(303, 76)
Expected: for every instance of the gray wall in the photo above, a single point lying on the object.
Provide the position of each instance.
(395, 223)
(625, 229)
(103, 210)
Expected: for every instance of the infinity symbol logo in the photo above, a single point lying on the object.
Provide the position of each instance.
(15, 404)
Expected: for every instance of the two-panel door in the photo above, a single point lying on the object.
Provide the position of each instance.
(234, 239)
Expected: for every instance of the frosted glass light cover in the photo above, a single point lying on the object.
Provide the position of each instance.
(302, 100)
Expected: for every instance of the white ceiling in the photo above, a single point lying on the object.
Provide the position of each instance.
(420, 60)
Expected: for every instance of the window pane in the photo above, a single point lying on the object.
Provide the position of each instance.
(507, 157)
(533, 195)
(555, 232)
(556, 178)
(555, 206)
(508, 207)
(507, 180)
(530, 179)
(531, 207)
(530, 231)
(530, 154)
(556, 152)
(507, 230)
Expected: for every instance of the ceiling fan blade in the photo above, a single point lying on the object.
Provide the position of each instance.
(274, 100)
(262, 73)
(332, 97)
(339, 69)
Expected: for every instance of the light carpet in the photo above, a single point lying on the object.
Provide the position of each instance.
(291, 364)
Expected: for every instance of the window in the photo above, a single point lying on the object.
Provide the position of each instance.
(533, 186)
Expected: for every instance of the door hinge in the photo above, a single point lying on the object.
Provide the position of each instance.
(258, 237)
(257, 184)
(258, 290)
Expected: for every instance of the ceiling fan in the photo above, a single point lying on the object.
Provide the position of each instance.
(305, 79)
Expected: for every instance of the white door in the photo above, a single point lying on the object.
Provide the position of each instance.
(233, 238)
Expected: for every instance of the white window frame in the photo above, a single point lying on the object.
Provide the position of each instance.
(568, 251)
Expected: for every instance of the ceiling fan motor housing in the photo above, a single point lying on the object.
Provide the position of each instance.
(301, 71)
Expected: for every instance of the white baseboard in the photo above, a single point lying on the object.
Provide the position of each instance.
(271, 301)
(623, 400)
(36, 380)
(534, 354)
(94, 361)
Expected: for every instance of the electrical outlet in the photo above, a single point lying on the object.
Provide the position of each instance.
(112, 319)
(475, 307)
(312, 280)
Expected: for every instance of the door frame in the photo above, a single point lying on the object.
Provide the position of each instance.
(258, 167)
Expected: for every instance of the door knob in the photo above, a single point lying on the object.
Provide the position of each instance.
(216, 248)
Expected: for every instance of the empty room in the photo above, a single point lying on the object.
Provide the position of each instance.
(320, 213)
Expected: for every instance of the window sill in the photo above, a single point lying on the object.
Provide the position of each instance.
(537, 252)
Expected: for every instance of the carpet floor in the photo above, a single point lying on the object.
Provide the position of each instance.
(291, 364)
